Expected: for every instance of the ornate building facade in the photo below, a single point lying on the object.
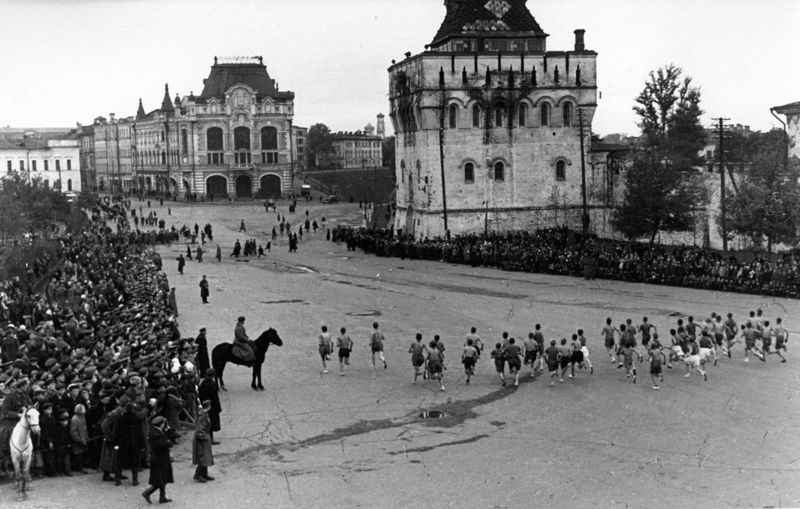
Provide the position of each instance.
(489, 124)
(234, 139)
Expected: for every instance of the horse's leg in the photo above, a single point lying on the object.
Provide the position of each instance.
(258, 374)
(253, 378)
(220, 381)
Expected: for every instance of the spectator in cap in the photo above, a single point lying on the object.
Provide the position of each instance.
(208, 390)
(160, 463)
(202, 455)
(80, 437)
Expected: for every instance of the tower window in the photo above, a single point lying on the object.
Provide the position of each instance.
(544, 112)
(469, 173)
(523, 114)
(498, 116)
(566, 111)
(561, 170)
(453, 114)
(499, 171)
(476, 116)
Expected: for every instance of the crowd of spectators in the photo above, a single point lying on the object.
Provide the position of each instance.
(96, 349)
(564, 252)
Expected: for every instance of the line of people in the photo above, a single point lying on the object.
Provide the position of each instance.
(692, 345)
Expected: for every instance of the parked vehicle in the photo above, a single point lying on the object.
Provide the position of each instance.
(331, 198)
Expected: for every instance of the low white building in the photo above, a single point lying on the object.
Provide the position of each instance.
(54, 161)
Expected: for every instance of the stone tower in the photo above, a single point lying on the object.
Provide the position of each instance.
(487, 122)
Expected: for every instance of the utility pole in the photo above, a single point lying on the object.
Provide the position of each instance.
(442, 110)
(585, 215)
(723, 221)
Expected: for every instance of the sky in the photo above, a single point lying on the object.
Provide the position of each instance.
(69, 61)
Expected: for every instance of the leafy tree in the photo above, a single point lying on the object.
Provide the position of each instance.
(319, 142)
(662, 189)
(13, 222)
(657, 197)
(767, 203)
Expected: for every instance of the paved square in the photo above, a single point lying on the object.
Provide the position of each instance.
(324, 440)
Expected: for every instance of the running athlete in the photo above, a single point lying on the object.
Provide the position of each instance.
(781, 338)
(469, 357)
(476, 340)
(345, 346)
(585, 350)
(656, 358)
(731, 329)
(418, 351)
(531, 347)
(608, 338)
(325, 347)
(750, 334)
(513, 358)
(499, 361)
(376, 344)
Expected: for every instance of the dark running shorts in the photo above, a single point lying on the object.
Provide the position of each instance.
(344, 353)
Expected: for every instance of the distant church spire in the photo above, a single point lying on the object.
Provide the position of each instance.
(140, 112)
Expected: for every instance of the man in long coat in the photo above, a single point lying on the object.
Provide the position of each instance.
(202, 455)
(129, 437)
(160, 463)
(201, 361)
(208, 390)
(204, 289)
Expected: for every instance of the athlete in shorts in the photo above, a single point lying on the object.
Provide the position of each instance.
(707, 351)
(585, 351)
(577, 356)
(476, 340)
(552, 354)
(608, 339)
(766, 340)
(345, 345)
(513, 355)
(325, 347)
(750, 334)
(469, 357)
(376, 345)
(626, 355)
(564, 358)
(730, 330)
(435, 365)
(694, 360)
(539, 337)
(531, 347)
(499, 361)
(656, 358)
(781, 337)
(418, 351)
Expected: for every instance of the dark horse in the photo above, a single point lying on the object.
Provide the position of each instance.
(222, 354)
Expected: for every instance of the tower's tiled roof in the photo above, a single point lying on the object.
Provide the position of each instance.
(788, 108)
(482, 16)
(255, 76)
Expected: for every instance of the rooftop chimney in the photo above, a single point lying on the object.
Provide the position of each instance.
(579, 45)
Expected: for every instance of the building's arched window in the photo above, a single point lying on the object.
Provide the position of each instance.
(561, 170)
(469, 173)
(499, 171)
(184, 141)
(566, 112)
(69, 184)
(214, 139)
(523, 114)
(476, 116)
(241, 138)
(163, 157)
(498, 115)
(453, 116)
(544, 113)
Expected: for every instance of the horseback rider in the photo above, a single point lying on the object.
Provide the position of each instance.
(10, 412)
(242, 347)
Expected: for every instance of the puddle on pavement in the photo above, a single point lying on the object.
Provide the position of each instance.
(371, 312)
(432, 414)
